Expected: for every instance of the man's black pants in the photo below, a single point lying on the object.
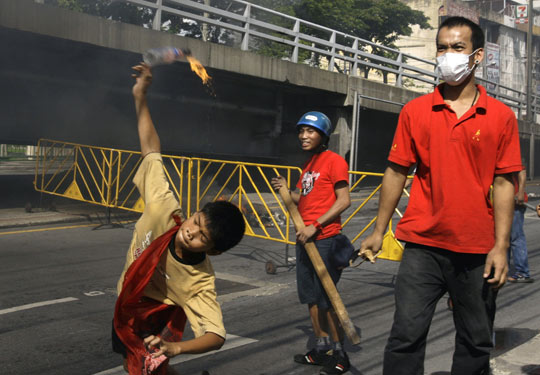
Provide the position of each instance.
(424, 276)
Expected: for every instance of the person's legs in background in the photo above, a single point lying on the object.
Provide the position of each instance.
(518, 248)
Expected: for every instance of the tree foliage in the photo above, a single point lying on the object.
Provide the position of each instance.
(111, 9)
(131, 13)
(380, 21)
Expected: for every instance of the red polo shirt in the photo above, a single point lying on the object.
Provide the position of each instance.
(449, 206)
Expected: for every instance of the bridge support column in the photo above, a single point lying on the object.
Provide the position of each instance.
(340, 142)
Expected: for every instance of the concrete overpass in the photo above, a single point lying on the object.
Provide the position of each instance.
(66, 75)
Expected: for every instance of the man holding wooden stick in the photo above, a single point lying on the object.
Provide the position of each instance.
(456, 227)
(323, 196)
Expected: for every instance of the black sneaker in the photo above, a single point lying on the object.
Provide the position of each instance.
(313, 357)
(338, 364)
(517, 278)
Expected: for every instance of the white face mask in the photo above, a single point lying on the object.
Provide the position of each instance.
(454, 67)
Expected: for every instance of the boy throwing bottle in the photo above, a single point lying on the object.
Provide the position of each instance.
(168, 278)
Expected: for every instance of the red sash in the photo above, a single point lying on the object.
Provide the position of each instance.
(136, 317)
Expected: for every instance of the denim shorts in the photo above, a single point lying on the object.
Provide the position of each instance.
(310, 289)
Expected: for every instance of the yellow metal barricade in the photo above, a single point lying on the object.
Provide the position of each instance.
(99, 175)
(248, 186)
(75, 171)
(364, 189)
(103, 176)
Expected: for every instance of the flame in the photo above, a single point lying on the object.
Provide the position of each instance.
(197, 67)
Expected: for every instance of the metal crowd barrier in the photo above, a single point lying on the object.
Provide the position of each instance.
(103, 176)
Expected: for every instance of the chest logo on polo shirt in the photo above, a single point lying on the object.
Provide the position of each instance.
(476, 136)
(308, 181)
(394, 147)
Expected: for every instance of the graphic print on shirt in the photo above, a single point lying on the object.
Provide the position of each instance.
(308, 181)
(137, 253)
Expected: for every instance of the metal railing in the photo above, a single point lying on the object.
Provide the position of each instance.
(248, 186)
(103, 176)
(256, 26)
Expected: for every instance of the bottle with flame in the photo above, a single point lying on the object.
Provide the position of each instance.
(164, 55)
(168, 55)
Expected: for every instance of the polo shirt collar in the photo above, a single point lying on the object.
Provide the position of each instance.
(439, 101)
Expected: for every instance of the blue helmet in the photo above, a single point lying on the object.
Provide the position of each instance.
(318, 120)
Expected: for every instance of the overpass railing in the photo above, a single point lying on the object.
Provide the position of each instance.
(264, 30)
(103, 176)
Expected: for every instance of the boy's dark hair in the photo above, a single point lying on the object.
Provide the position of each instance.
(477, 35)
(225, 224)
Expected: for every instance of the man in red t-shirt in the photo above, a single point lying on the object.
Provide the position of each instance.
(323, 195)
(456, 238)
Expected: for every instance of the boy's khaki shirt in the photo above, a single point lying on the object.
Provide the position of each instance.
(191, 287)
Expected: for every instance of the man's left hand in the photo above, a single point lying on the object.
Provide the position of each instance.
(496, 268)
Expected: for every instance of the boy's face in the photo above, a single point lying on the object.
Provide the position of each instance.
(310, 138)
(194, 236)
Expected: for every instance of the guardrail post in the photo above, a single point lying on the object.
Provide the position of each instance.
(332, 51)
(156, 23)
(245, 39)
(296, 30)
(354, 72)
(399, 76)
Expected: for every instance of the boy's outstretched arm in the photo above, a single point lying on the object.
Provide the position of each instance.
(148, 135)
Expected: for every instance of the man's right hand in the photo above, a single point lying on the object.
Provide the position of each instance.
(158, 347)
(143, 79)
(371, 246)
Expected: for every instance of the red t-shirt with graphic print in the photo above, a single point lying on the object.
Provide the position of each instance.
(319, 177)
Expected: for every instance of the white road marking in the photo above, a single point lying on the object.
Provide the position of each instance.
(37, 304)
(94, 293)
(232, 342)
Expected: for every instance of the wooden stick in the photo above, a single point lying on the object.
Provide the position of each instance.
(321, 270)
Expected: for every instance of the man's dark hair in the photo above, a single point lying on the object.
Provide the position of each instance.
(225, 224)
(477, 35)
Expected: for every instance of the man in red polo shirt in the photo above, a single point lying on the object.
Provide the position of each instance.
(457, 238)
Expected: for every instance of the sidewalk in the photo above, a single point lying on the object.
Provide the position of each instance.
(519, 359)
(62, 211)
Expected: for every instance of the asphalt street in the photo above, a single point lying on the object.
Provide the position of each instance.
(57, 294)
